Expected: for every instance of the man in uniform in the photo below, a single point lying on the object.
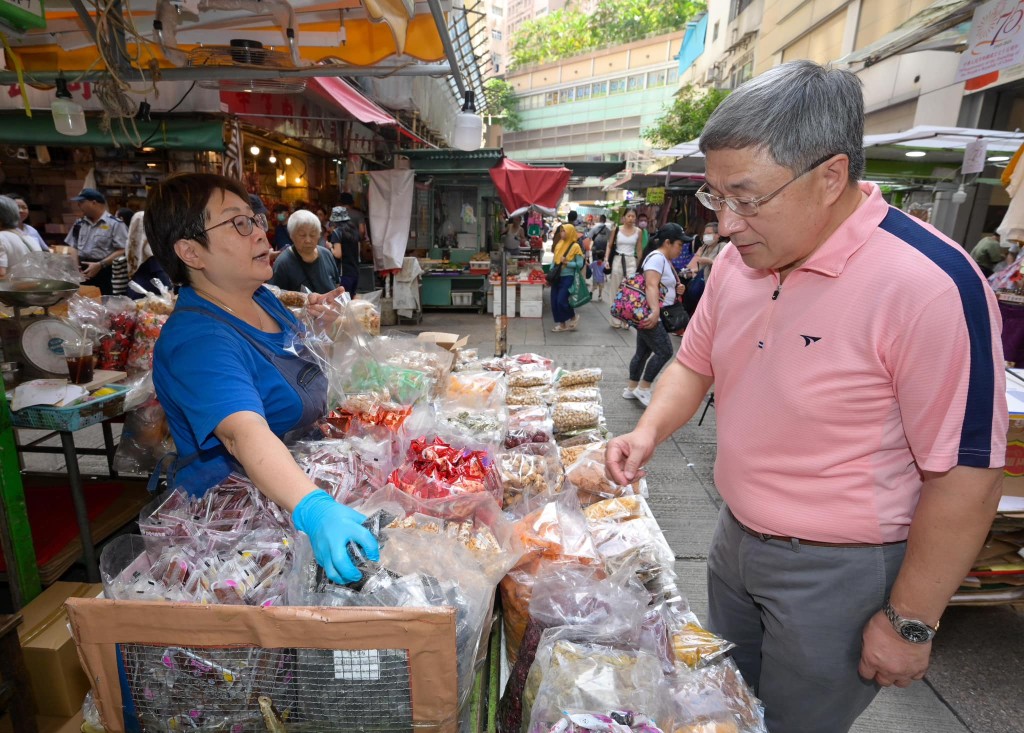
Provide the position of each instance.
(96, 239)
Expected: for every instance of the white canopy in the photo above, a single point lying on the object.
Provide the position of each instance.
(946, 138)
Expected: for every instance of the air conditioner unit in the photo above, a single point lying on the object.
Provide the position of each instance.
(711, 75)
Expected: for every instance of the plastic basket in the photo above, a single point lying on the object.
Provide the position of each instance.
(75, 417)
(464, 298)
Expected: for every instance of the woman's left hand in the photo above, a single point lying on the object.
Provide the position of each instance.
(319, 304)
(680, 288)
(650, 321)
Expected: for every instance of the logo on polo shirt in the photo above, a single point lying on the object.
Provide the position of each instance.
(808, 340)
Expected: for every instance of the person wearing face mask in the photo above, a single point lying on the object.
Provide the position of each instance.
(699, 268)
(281, 238)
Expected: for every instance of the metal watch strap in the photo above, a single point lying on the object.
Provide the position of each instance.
(897, 620)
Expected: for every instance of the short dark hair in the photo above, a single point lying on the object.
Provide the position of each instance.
(573, 216)
(346, 199)
(176, 210)
(602, 218)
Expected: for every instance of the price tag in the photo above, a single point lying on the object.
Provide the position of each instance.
(357, 664)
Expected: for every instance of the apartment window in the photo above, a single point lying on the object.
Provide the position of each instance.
(497, 10)
(566, 95)
(635, 82)
(583, 92)
(673, 75)
(496, 60)
(495, 34)
(550, 98)
(656, 78)
(617, 86)
(599, 89)
(714, 32)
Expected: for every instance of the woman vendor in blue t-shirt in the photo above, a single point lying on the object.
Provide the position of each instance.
(222, 368)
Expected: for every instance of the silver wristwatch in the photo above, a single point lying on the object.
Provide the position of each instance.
(911, 629)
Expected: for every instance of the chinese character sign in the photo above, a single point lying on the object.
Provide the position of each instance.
(996, 40)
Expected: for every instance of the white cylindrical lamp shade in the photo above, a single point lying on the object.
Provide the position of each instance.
(468, 131)
(68, 117)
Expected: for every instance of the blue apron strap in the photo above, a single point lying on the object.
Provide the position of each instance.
(166, 464)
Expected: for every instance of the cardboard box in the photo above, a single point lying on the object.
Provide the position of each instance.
(425, 636)
(50, 655)
(531, 293)
(449, 341)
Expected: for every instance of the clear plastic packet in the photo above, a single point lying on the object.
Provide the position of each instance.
(695, 646)
(349, 469)
(615, 721)
(526, 396)
(526, 362)
(45, 266)
(570, 454)
(405, 352)
(529, 417)
(477, 424)
(88, 316)
(153, 311)
(441, 465)
(145, 439)
(715, 699)
(572, 417)
(578, 394)
(530, 377)
(577, 669)
(121, 317)
(555, 533)
(357, 413)
(567, 595)
(477, 389)
(578, 378)
(587, 475)
(524, 476)
(582, 437)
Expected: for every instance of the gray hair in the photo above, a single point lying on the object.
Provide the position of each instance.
(797, 113)
(10, 217)
(303, 219)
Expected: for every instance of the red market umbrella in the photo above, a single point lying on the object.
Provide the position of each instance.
(522, 186)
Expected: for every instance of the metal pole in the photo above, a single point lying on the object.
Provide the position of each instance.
(501, 322)
(446, 41)
(200, 73)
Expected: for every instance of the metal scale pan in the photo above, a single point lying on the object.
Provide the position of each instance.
(36, 341)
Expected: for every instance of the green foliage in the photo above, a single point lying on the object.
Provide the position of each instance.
(569, 32)
(502, 102)
(685, 119)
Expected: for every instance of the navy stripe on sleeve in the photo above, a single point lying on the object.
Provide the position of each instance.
(976, 433)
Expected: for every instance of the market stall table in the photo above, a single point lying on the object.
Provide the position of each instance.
(65, 421)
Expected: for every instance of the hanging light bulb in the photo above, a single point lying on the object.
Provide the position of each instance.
(272, 158)
(287, 161)
(68, 117)
(255, 150)
(298, 180)
(469, 127)
(959, 197)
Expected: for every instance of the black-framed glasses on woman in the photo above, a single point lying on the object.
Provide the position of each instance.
(244, 224)
(749, 207)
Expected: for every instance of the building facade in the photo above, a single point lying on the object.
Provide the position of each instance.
(595, 106)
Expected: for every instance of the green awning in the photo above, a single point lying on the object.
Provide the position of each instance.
(174, 134)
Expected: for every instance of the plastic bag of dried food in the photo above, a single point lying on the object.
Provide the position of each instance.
(570, 417)
(695, 646)
(479, 389)
(526, 396)
(567, 595)
(153, 312)
(526, 362)
(527, 476)
(145, 439)
(588, 477)
(538, 377)
(611, 721)
(579, 378)
(578, 394)
(556, 533)
(438, 464)
(715, 699)
(600, 434)
(478, 424)
(120, 321)
(570, 454)
(576, 669)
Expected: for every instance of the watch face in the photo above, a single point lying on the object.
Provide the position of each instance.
(914, 632)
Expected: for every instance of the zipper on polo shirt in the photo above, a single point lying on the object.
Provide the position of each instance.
(768, 320)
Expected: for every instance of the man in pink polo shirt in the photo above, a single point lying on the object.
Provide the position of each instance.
(859, 394)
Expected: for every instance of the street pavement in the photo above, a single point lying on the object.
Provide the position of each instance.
(976, 681)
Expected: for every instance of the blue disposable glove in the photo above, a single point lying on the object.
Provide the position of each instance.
(331, 527)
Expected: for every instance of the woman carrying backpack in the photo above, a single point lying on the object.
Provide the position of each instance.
(627, 243)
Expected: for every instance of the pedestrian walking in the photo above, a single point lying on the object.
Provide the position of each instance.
(653, 345)
(568, 254)
(625, 248)
(861, 419)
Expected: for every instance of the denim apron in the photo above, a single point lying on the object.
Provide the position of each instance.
(300, 371)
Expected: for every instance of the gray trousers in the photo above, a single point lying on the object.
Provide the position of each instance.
(796, 614)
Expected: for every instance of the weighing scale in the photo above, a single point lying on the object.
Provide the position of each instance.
(36, 341)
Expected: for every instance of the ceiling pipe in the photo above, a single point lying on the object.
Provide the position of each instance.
(198, 73)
